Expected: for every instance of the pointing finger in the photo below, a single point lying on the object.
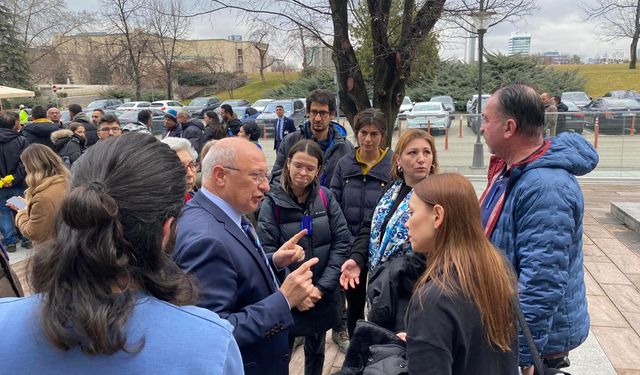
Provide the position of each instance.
(294, 240)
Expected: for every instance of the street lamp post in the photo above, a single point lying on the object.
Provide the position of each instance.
(481, 20)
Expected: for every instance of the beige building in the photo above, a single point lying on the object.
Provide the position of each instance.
(88, 54)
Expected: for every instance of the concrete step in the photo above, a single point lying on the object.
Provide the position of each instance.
(628, 213)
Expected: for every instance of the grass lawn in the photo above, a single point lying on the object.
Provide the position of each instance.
(602, 78)
(255, 88)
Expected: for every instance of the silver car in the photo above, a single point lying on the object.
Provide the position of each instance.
(429, 114)
(293, 109)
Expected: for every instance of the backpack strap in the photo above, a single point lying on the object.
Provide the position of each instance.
(323, 196)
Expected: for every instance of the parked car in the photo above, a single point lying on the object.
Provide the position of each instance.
(132, 106)
(475, 119)
(449, 103)
(246, 113)
(579, 98)
(293, 109)
(614, 115)
(572, 120)
(105, 104)
(260, 104)
(471, 103)
(405, 107)
(623, 94)
(199, 106)
(165, 105)
(425, 113)
(233, 103)
(132, 116)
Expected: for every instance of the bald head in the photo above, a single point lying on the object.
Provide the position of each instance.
(235, 170)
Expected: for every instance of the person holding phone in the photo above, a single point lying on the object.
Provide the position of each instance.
(301, 203)
(47, 184)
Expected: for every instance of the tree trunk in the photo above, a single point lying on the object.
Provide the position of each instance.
(633, 52)
(169, 84)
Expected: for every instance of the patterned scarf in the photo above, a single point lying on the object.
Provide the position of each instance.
(395, 239)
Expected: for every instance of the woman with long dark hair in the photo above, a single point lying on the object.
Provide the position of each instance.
(47, 183)
(460, 319)
(107, 290)
(298, 203)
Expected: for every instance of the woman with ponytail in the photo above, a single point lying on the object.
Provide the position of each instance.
(47, 183)
(107, 291)
(460, 318)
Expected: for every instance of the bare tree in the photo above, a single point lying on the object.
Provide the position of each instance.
(168, 23)
(461, 12)
(263, 36)
(328, 23)
(621, 20)
(127, 17)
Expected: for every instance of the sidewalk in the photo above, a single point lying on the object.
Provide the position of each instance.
(612, 275)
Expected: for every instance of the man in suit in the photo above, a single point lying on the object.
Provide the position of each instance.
(217, 244)
(283, 127)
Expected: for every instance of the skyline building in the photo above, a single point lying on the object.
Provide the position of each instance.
(519, 44)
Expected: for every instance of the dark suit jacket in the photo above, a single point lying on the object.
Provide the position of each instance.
(235, 283)
(288, 127)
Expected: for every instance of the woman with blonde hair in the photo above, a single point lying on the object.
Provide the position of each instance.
(47, 184)
(460, 319)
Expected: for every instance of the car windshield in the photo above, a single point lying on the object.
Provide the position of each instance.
(572, 106)
(406, 101)
(442, 99)
(271, 107)
(232, 103)
(427, 107)
(97, 104)
(573, 96)
(262, 102)
(199, 102)
(622, 103)
(127, 105)
(156, 104)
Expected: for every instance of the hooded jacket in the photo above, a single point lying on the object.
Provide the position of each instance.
(60, 138)
(39, 131)
(136, 127)
(539, 229)
(193, 130)
(12, 144)
(90, 130)
(337, 146)
(233, 126)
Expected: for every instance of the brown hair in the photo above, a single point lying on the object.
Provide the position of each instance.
(463, 260)
(307, 146)
(371, 116)
(404, 140)
(41, 162)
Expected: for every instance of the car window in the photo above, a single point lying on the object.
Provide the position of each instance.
(433, 106)
(271, 107)
(127, 105)
(406, 101)
(176, 104)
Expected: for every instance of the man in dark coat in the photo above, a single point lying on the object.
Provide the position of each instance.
(40, 129)
(283, 127)
(192, 129)
(12, 144)
(231, 120)
(91, 131)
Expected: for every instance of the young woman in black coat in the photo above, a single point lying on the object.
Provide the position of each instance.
(460, 318)
(301, 203)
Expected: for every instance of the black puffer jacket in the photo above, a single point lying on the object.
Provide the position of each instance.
(90, 130)
(60, 138)
(193, 130)
(12, 144)
(212, 132)
(357, 193)
(40, 132)
(329, 242)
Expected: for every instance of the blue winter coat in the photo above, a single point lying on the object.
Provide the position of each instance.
(540, 231)
(358, 194)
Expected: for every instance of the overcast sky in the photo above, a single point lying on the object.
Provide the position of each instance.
(558, 25)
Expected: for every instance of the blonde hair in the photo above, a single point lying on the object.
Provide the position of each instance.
(41, 163)
(464, 261)
(403, 141)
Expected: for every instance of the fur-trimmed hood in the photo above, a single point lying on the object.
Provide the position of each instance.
(59, 134)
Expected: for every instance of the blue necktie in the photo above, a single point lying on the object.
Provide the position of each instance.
(250, 231)
(280, 129)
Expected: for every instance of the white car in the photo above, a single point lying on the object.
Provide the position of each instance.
(260, 104)
(426, 115)
(405, 107)
(133, 106)
(165, 105)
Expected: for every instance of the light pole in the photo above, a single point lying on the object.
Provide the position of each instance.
(481, 20)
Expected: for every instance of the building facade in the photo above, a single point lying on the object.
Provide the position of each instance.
(519, 44)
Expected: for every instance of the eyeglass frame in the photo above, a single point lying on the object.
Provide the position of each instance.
(257, 178)
(323, 114)
(111, 129)
(193, 165)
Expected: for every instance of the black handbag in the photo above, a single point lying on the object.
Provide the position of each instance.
(539, 367)
(387, 359)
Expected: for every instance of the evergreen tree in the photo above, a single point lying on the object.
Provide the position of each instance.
(14, 69)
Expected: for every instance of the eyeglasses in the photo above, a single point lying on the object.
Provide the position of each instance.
(257, 177)
(115, 130)
(322, 114)
(193, 165)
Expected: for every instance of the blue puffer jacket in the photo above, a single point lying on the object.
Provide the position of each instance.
(540, 231)
(358, 194)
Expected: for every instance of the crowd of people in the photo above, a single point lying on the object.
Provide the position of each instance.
(187, 256)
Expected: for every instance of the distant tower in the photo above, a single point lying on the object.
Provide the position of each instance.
(470, 48)
(519, 44)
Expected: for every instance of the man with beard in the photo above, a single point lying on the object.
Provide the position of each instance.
(231, 120)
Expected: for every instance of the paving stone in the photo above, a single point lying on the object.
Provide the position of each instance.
(610, 245)
(603, 313)
(606, 273)
(592, 253)
(596, 231)
(625, 297)
(621, 345)
(627, 263)
(593, 288)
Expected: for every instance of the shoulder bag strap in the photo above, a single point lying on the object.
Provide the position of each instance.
(537, 361)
